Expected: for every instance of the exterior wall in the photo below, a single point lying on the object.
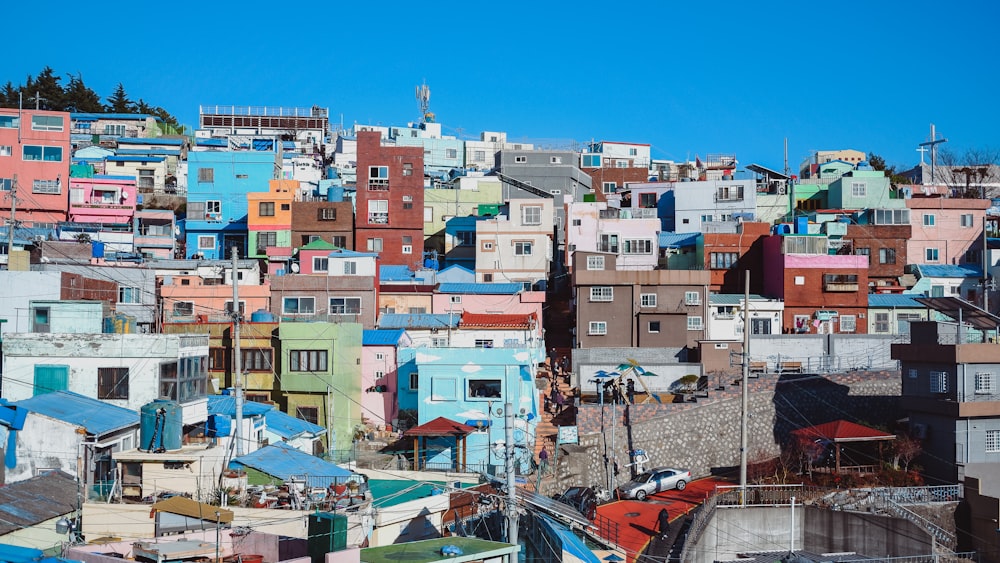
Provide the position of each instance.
(620, 177)
(875, 238)
(498, 338)
(41, 178)
(129, 291)
(335, 392)
(142, 354)
(143, 169)
(258, 380)
(280, 195)
(725, 322)
(461, 199)
(308, 221)
(57, 450)
(154, 233)
(401, 301)
(523, 303)
(322, 289)
(896, 324)
(746, 244)
(438, 153)
(498, 240)
(772, 208)
(877, 193)
(588, 221)
(107, 200)
(403, 192)
(14, 299)
(208, 301)
(69, 317)
(804, 292)
(378, 367)
(947, 235)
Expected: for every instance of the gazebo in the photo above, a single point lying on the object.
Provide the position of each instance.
(440, 427)
(841, 432)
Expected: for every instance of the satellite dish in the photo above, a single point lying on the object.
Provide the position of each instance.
(295, 267)
(124, 194)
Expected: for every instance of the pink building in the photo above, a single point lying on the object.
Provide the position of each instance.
(944, 229)
(508, 298)
(106, 200)
(379, 381)
(34, 152)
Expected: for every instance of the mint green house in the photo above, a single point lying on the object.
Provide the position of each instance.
(863, 189)
(320, 375)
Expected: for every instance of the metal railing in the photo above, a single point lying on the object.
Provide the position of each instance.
(606, 528)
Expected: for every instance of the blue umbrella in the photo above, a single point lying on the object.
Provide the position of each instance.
(614, 557)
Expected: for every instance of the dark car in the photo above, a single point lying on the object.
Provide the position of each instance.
(583, 499)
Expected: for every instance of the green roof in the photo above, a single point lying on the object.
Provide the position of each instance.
(732, 298)
(319, 244)
(429, 551)
(390, 492)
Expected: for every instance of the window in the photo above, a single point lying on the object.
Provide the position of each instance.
(439, 342)
(591, 161)
(595, 263)
(378, 211)
(465, 238)
(695, 323)
(206, 175)
(484, 343)
(555, 160)
(485, 388)
(217, 358)
(266, 239)
(266, 208)
(206, 243)
(632, 151)
(6, 150)
(602, 293)
(859, 189)
(520, 159)
(647, 300)
(862, 251)
(531, 215)
(597, 328)
(487, 278)
(38, 152)
(522, 248)
(760, 326)
(847, 323)
(939, 382)
(307, 360)
(345, 305)
(308, 414)
(966, 220)
(984, 383)
(992, 442)
(647, 200)
(128, 295)
(723, 260)
(692, 298)
(931, 254)
(146, 178)
(9, 122)
(46, 187)
(912, 373)
(886, 256)
(321, 264)
(350, 268)
(112, 383)
(654, 327)
(374, 245)
(891, 216)
(638, 246)
(299, 305)
(328, 214)
(6, 184)
(609, 243)
(881, 322)
(213, 207)
(609, 187)
(183, 309)
(455, 299)
(729, 193)
(256, 359)
(339, 241)
(46, 123)
(929, 220)
(378, 172)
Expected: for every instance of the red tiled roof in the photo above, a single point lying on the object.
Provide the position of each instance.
(843, 431)
(480, 320)
(440, 426)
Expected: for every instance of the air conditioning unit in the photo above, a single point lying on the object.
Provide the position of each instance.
(407, 198)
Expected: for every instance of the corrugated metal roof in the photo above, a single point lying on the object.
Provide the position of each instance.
(391, 492)
(481, 288)
(285, 462)
(210, 142)
(394, 273)
(193, 509)
(289, 427)
(226, 405)
(149, 141)
(426, 320)
(136, 158)
(96, 416)
(486, 320)
(26, 503)
(440, 426)
(148, 152)
(678, 240)
(381, 337)
(892, 300)
(732, 298)
(129, 116)
(948, 271)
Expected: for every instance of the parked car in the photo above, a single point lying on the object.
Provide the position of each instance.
(584, 499)
(654, 481)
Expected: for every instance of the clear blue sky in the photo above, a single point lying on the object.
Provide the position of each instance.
(691, 78)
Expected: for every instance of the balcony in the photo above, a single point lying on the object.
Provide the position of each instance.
(378, 218)
(378, 184)
(840, 283)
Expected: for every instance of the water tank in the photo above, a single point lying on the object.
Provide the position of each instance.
(782, 229)
(327, 533)
(329, 194)
(161, 425)
(97, 249)
(279, 272)
(802, 225)
(261, 316)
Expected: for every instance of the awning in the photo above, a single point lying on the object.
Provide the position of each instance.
(194, 509)
(955, 308)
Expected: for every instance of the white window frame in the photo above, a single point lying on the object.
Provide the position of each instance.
(350, 305)
(206, 242)
(555, 160)
(692, 298)
(321, 264)
(520, 159)
(531, 215)
(523, 248)
(602, 293)
(597, 328)
(298, 300)
(45, 123)
(695, 323)
(647, 300)
(939, 382)
(932, 255)
(991, 441)
(595, 263)
(457, 299)
(649, 327)
(6, 150)
(637, 246)
(859, 189)
(929, 220)
(609, 187)
(374, 245)
(129, 295)
(848, 323)
(439, 342)
(985, 383)
(350, 268)
(966, 220)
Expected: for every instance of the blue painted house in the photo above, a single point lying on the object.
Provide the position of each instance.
(218, 182)
(472, 386)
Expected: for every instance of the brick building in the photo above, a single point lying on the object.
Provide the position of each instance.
(390, 201)
(885, 246)
(330, 221)
(727, 255)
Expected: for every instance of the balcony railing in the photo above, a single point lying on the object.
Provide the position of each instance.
(378, 184)
(840, 287)
(378, 218)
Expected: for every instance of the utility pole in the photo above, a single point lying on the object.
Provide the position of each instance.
(986, 269)
(745, 393)
(237, 359)
(12, 222)
(511, 484)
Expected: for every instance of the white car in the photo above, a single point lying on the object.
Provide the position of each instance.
(654, 481)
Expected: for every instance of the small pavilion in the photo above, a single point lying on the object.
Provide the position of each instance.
(840, 432)
(440, 427)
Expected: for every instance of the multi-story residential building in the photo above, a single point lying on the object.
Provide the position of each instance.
(156, 179)
(933, 280)
(596, 227)
(725, 318)
(613, 165)
(863, 189)
(728, 255)
(307, 127)
(516, 244)
(103, 200)
(326, 220)
(150, 172)
(425, 330)
(944, 229)
(109, 128)
(499, 330)
(809, 166)
(154, 234)
(127, 289)
(202, 291)
(269, 223)
(320, 374)
(885, 244)
(35, 154)
(413, 299)
(691, 207)
(390, 201)
(343, 287)
(823, 293)
(459, 199)
(44, 286)
(487, 298)
(638, 308)
(379, 374)
(482, 154)
(217, 195)
(892, 314)
(442, 153)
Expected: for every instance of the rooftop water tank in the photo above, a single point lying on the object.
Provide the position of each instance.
(161, 426)
(97, 249)
(261, 316)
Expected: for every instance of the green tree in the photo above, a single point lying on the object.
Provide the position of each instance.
(9, 95)
(79, 97)
(119, 102)
(46, 92)
(878, 163)
(142, 107)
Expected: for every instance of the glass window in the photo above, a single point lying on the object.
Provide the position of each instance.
(522, 248)
(992, 441)
(320, 264)
(595, 262)
(847, 323)
(966, 220)
(647, 300)
(112, 383)
(266, 208)
(695, 323)
(484, 343)
(328, 214)
(485, 388)
(597, 328)
(939, 382)
(46, 123)
(723, 260)
(350, 268)
(984, 383)
(929, 219)
(638, 246)
(531, 215)
(206, 243)
(128, 294)
(859, 189)
(299, 305)
(345, 305)
(374, 245)
(183, 309)
(654, 326)
(602, 293)
(931, 254)
(692, 298)
(9, 121)
(307, 360)
(609, 243)
(206, 175)
(886, 256)
(39, 152)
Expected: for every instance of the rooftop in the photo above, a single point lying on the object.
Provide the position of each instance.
(97, 417)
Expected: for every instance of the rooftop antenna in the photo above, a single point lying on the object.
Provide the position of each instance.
(423, 93)
(933, 143)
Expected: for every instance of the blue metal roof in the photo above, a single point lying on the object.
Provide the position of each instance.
(948, 271)
(285, 462)
(344, 253)
(391, 273)
(113, 177)
(96, 416)
(732, 298)
(150, 141)
(96, 116)
(289, 427)
(148, 152)
(226, 405)
(426, 320)
(136, 158)
(288, 145)
(678, 240)
(463, 269)
(379, 337)
(481, 288)
(211, 142)
(892, 301)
